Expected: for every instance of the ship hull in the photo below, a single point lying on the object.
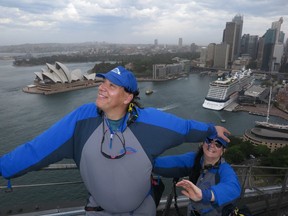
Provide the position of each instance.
(213, 105)
(224, 91)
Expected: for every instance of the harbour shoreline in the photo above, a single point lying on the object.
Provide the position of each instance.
(60, 88)
(260, 109)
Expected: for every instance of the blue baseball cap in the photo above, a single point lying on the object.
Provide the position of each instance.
(219, 140)
(121, 77)
(222, 141)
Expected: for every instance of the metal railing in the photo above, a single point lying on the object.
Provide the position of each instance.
(268, 184)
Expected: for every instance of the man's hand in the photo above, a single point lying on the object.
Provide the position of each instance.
(223, 133)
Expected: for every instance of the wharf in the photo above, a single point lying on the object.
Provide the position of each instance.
(260, 109)
(231, 107)
(58, 88)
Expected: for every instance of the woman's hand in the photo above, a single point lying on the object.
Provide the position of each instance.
(190, 190)
(195, 193)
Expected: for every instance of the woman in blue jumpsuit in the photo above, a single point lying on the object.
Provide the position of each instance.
(212, 182)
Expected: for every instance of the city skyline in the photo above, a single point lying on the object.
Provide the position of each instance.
(122, 21)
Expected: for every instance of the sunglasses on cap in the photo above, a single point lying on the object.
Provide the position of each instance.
(217, 143)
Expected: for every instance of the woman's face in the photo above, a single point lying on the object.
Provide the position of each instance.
(212, 149)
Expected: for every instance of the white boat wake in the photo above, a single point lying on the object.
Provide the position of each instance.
(168, 107)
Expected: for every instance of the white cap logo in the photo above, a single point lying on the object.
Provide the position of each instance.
(116, 70)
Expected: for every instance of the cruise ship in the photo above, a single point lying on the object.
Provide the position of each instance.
(225, 89)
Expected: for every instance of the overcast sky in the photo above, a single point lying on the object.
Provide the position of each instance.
(133, 21)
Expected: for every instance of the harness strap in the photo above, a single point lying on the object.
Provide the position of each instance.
(9, 187)
(194, 213)
(90, 208)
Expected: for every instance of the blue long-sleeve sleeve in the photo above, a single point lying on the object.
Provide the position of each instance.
(175, 165)
(51, 146)
(226, 190)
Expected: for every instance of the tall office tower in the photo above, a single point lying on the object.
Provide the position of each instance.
(273, 47)
(156, 42)
(286, 48)
(221, 55)
(229, 38)
(203, 56)
(260, 51)
(277, 26)
(238, 19)
(269, 41)
(210, 55)
(180, 43)
(249, 45)
(232, 36)
(193, 47)
(244, 43)
(281, 37)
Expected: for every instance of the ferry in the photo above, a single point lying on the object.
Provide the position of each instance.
(226, 88)
(149, 92)
(272, 126)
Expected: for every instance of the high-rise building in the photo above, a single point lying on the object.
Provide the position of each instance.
(260, 52)
(156, 42)
(273, 47)
(281, 37)
(210, 55)
(249, 45)
(238, 19)
(232, 36)
(193, 47)
(278, 47)
(180, 43)
(277, 26)
(203, 57)
(269, 41)
(221, 55)
(229, 38)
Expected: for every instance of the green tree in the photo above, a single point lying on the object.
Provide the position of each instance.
(234, 155)
(278, 158)
(246, 147)
(261, 151)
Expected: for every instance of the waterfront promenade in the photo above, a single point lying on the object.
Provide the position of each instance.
(261, 109)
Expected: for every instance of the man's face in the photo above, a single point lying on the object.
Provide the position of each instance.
(112, 98)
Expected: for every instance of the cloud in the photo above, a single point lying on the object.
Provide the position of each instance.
(125, 21)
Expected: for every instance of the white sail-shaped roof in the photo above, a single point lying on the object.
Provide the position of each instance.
(52, 77)
(76, 75)
(39, 75)
(45, 70)
(61, 67)
(90, 76)
(59, 73)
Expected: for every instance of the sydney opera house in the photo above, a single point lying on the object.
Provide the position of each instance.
(58, 78)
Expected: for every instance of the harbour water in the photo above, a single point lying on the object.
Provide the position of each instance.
(24, 116)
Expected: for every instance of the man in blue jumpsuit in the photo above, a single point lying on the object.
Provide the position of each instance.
(114, 143)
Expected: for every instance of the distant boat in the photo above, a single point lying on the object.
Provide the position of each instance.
(149, 91)
(223, 120)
